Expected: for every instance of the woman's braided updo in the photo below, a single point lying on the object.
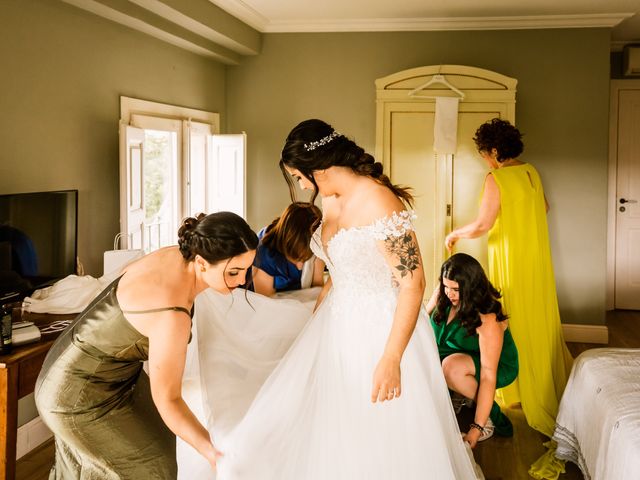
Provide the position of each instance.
(366, 165)
(314, 145)
(215, 237)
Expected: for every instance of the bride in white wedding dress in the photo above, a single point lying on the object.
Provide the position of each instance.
(360, 393)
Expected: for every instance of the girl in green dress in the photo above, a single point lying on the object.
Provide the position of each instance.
(110, 420)
(475, 345)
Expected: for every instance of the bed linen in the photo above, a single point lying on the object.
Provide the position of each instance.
(598, 424)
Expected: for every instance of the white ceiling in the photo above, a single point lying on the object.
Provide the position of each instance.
(417, 15)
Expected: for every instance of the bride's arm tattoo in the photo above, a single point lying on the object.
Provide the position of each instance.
(405, 249)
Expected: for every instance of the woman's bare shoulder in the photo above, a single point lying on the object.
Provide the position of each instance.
(380, 202)
(490, 323)
(157, 280)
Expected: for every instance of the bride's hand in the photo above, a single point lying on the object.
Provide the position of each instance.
(386, 380)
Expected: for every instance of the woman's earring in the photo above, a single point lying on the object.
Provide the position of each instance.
(203, 268)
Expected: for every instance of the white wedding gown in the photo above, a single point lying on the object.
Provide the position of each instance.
(307, 415)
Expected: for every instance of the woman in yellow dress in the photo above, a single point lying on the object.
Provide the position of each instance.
(513, 212)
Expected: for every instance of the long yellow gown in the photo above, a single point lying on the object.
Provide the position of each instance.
(520, 267)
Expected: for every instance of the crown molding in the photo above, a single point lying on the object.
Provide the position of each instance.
(255, 19)
(603, 20)
(209, 21)
(243, 12)
(138, 18)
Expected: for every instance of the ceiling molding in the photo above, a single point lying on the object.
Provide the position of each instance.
(454, 23)
(244, 12)
(209, 21)
(138, 18)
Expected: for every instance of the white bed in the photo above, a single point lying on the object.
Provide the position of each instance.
(598, 425)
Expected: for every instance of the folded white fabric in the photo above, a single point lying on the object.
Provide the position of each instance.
(445, 127)
(72, 294)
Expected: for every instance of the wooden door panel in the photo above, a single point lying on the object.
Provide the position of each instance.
(627, 264)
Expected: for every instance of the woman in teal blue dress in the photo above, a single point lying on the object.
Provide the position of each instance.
(284, 260)
(475, 345)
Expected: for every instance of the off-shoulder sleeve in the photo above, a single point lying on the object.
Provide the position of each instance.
(395, 225)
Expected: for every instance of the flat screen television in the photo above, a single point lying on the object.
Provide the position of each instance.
(38, 240)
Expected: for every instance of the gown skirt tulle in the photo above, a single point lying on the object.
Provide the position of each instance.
(286, 394)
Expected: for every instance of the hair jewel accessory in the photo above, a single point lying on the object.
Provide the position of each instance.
(323, 141)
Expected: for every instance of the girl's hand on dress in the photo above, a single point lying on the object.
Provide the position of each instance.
(386, 380)
(471, 437)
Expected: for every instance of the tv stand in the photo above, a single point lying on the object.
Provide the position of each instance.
(18, 373)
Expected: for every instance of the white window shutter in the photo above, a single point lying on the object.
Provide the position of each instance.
(132, 212)
(199, 151)
(226, 174)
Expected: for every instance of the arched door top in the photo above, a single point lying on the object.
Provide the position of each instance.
(477, 83)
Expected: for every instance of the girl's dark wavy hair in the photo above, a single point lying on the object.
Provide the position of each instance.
(477, 294)
(339, 152)
(502, 136)
(216, 237)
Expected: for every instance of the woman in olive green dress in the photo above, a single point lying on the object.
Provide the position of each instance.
(475, 345)
(111, 420)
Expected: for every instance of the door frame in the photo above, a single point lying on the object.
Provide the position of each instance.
(616, 87)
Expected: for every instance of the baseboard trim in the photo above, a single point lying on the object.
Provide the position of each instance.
(579, 333)
(31, 435)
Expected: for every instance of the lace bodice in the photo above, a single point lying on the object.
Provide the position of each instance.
(353, 256)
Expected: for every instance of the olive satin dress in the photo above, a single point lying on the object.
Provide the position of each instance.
(95, 397)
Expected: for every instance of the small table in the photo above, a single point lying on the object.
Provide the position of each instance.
(18, 373)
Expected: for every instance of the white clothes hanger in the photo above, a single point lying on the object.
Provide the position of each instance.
(437, 78)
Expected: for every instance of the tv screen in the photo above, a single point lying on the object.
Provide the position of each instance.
(38, 239)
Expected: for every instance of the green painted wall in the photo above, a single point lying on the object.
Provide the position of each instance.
(63, 72)
(562, 107)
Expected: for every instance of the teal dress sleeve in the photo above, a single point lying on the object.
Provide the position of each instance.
(286, 275)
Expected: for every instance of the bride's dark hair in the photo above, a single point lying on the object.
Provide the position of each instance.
(477, 294)
(314, 145)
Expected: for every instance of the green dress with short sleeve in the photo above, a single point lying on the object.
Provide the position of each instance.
(452, 338)
(95, 397)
